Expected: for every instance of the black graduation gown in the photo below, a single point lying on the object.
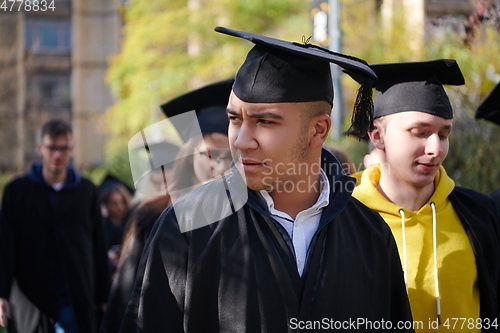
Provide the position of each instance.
(39, 227)
(480, 219)
(123, 283)
(239, 274)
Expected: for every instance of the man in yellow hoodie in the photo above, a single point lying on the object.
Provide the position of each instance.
(447, 236)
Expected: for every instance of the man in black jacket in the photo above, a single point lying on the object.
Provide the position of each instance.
(279, 244)
(52, 243)
(448, 236)
(489, 109)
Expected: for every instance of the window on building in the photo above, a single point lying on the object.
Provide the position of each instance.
(48, 34)
(49, 89)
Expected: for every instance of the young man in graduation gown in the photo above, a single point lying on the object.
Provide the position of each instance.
(52, 244)
(489, 109)
(447, 236)
(279, 244)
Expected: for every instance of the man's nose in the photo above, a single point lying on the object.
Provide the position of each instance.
(244, 137)
(433, 145)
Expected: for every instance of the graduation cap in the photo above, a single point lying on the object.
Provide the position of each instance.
(277, 71)
(208, 102)
(415, 86)
(110, 180)
(489, 108)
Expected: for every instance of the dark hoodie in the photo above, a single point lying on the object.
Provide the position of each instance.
(52, 243)
(59, 297)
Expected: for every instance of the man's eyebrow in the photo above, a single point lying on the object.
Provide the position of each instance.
(257, 114)
(445, 127)
(264, 114)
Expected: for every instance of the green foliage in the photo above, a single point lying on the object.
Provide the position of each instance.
(170, 47)
(5, 177)
(96, 175)
(117, 166)
(473, 158)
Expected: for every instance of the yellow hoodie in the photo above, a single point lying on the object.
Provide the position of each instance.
(457, 274)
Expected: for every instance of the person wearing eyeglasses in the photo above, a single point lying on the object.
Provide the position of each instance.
(204, 156)
(54, 271)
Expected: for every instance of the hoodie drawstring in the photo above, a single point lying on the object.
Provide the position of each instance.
(434, 251)
(405, 258)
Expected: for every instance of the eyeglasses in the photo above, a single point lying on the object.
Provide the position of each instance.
(62, 149)
(215, 157)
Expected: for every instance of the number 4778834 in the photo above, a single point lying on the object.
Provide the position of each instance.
(29, 5)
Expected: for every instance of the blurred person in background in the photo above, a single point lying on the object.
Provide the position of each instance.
(115, 199)
(140, 225)
(205, 153)
(489, 109)
(154, 182)
(199, 160)
(52, 243)
(345, 161)
(371, 158)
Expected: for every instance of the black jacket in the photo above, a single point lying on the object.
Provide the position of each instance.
(51, 238)
(495, 196)
(239, 273)
(479, 217)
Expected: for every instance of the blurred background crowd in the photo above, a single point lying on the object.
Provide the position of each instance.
(106, 66)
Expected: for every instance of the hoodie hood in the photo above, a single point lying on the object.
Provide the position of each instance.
(72, 180)
(366, 192)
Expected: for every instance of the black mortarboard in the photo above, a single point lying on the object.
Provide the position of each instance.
(110, 180)
(415, 86)
(209, 102)
(489, 108)
(277, 71)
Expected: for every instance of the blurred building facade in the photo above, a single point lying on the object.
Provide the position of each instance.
(53, 64)
(420, 9)
(425, 18)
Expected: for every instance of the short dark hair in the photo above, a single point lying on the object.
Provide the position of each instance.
(309, 110)
(56, 127)
(313, 109)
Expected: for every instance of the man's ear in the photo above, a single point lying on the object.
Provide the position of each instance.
(377, 135)
(38, 146)
(319, 129)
